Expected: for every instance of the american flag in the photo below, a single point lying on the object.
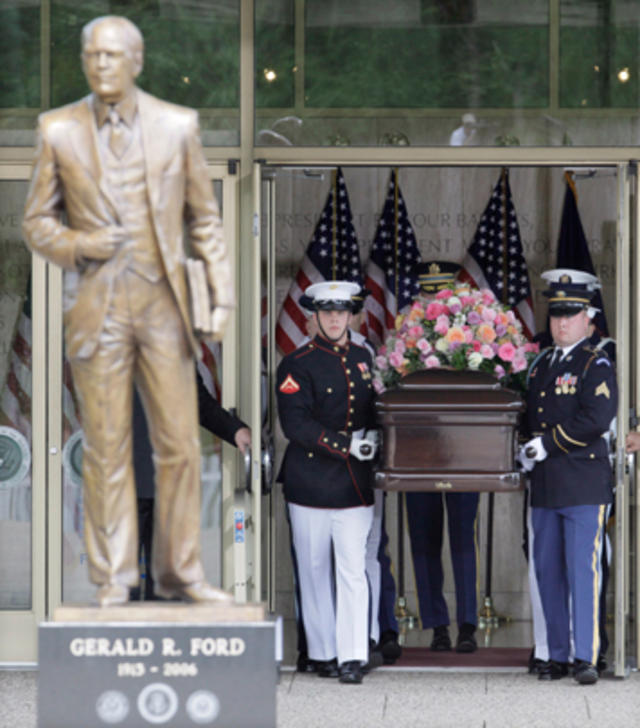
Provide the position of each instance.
(391, 277)
(15, 406)
(490, 264)
(15, 421)
(573, 249)
(332, 254)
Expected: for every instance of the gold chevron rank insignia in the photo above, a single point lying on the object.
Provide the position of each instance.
(603, 389)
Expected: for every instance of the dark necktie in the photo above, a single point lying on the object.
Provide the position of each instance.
(120, 136)
(556, 357)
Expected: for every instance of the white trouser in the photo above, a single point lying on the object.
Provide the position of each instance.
(335, 626)
(374, 572)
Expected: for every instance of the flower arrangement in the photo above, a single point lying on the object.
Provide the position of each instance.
(463, 328)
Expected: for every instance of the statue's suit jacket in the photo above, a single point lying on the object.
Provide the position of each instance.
(69, 177)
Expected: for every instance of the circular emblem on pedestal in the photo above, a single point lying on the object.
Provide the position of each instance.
(15, 457)
(112, 707)
(157, 703)
(203, 707)
(72, 457)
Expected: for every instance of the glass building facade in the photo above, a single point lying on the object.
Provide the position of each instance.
(449, 91)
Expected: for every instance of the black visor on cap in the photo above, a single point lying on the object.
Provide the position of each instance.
(333, 305)
(566, 309)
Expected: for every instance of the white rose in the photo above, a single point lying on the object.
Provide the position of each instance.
(442, 345)
(475, 359)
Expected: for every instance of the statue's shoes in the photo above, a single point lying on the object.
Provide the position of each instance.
(111, 595)
(197, 592)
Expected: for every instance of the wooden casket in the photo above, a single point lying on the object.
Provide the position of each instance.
(445, 430)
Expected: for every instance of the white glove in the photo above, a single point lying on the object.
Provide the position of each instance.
(534, 450)
(374, 438)
(526, 464)
(362, 449)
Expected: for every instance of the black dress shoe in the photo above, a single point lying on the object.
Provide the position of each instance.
(441, 641)
(375, 658)
(535, 663)
(586, 673)
(601, 665)
(389, 646)
(327, 668)
(466, 642)
(304, 664)
(351, 672)
(552, 670)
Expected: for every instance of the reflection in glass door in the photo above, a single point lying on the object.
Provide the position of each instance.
(22, 366)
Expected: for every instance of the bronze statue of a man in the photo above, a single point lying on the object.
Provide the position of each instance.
(127, 171)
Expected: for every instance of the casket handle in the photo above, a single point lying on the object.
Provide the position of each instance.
(443, 485)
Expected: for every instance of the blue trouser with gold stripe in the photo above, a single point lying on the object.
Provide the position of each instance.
(425, 516)
(567, 549)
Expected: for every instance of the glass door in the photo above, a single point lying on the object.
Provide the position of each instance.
(22, 423)
(445, 205)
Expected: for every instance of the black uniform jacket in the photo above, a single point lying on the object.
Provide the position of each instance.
(324, 394)
(570, 405)
(213, 417)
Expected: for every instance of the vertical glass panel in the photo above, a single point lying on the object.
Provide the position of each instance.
(274, 54)
(75, 584)
(15, 402)
(599, 60)
(192, 57)
(20, 54)
(431, 54)
(373, 73)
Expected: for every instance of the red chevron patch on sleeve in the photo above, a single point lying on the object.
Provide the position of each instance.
(289, 386)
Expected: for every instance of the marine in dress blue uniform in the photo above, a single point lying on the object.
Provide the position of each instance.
(425, 517)
(325, 405)
(571, 401)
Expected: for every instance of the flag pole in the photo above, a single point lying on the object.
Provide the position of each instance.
(487, 615)
(406, 620)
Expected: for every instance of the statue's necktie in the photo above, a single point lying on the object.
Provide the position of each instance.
(120, 136)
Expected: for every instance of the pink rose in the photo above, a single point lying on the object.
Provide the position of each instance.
(473, 318)
(432, 362)
(468, 334)
(399, 348)
(396, 359)
(487, 351)
(501, 329)
(507, 351)
(488, 314)
(434, 310)
(442, 325)
(487, 297)
(415, 331)
(444, 293)
(378, 386)
(382, 363)
(423, 345)
(519, 362)
(499, 371)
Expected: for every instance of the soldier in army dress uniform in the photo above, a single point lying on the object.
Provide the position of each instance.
(325, 405)
(571, 401)
(425, 517)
